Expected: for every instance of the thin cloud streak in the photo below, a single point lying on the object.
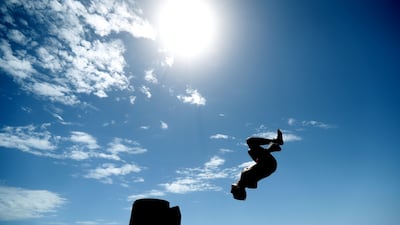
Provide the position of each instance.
(22, 204)
(310, 123)
(221, 136)
(27, 138)
(119, 145)
(108, 170)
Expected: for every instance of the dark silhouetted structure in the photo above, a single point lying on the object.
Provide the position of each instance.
(265, 164)
(154, 212)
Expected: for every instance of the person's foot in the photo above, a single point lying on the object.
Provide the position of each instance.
(274, 147)
(279, 138)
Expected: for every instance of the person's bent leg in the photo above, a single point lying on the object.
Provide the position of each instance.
(274, 147)
(254, 142)
(279, 138)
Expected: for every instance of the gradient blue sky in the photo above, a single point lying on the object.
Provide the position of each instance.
(94, 115)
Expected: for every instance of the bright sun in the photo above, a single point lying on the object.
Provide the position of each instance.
(186, 27)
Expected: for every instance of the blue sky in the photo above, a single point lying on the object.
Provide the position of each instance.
(97, 113)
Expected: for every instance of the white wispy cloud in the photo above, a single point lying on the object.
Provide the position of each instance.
(26, 109)
(85, 144)
(132, 99)
(74, 47)
(21, 204)
(163, 125)
(84, 138)
(54, 92)
(59, 118)
(106, 171)
(106, 124)
(318, 124)
(310, 123)
(27, 138)
(146, 91)
(225, 150)
(119, 145)
(192, 97)
(150, 77)
(221, 136)
(79, 154)
(144, 127)
(214, 162)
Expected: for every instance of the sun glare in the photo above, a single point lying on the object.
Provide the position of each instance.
(186, 27)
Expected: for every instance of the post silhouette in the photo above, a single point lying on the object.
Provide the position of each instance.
(150, 211)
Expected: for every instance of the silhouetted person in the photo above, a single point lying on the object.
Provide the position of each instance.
(149, 211)
(265, 164)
